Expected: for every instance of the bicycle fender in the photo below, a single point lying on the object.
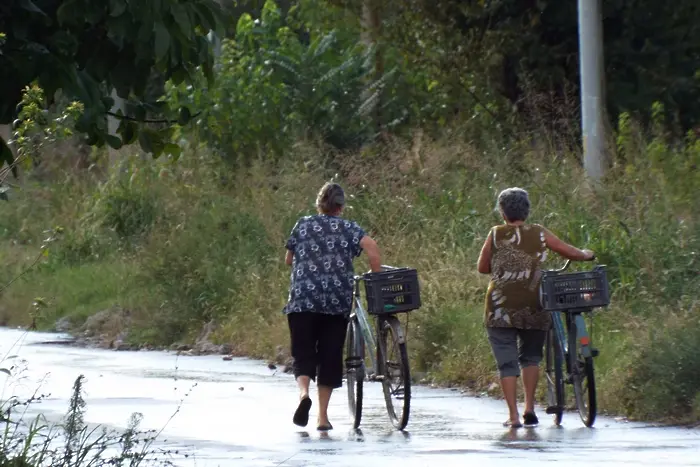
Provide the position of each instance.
(397, 329)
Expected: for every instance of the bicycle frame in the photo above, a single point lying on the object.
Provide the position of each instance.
(367, 340)
(575, 317)
(363, 319)
(573, 357)
(362, 316)
(581, 331)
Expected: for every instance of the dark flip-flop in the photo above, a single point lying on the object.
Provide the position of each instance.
(301, 416)
(509, 424)
(325, 427)
(530, 419)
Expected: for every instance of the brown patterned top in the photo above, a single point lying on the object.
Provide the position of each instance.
(512, 299)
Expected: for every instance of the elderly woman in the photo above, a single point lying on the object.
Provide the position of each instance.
(320, 250)
(513, 254)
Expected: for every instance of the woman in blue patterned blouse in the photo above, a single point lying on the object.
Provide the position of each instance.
(320, 250)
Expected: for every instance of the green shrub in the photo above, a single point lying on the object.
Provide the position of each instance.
(127, 203)
(200, 267)
(662, 381)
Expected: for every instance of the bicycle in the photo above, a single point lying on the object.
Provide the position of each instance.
(392, 291)
(573, 295)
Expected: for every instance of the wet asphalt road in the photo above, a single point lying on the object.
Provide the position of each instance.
(239, 414)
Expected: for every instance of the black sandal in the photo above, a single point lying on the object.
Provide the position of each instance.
(325, 427)
(301, 416)
(530, 419)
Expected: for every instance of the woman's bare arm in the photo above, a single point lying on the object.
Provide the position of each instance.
(373, 254)
(557, 245)
(289, 258)
(484, 264)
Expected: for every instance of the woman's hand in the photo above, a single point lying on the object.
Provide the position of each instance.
(588, 255)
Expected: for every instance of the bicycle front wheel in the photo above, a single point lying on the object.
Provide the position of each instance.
(555, 377)
(583, 378)
(355, 370)
(394, 369)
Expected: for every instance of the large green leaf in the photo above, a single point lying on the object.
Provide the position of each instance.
(117, 7)
(88, 48)
(66, 13)
(29, 5)
(162, 45)
(181, 15)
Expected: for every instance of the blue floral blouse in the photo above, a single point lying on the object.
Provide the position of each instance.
(322, 272)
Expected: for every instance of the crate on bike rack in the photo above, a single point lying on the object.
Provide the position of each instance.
(574, 290)
(393, 291)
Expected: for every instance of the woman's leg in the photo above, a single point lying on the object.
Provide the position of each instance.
(302, 330)
(331, 341)
(504, 344)
(530, 355)
(531, 375)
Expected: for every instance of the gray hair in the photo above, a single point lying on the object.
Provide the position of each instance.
(330, 199)
(514, 204)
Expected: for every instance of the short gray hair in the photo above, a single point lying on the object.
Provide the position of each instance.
(514, 204)
(330, 199)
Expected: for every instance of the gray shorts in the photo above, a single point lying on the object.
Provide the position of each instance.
(512, 355)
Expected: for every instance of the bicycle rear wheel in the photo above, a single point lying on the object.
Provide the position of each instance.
(583, 378)
(395, 372)
(355, 370)
(555, 377)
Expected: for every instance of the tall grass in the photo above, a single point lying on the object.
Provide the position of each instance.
(36, 442)
(189, 243)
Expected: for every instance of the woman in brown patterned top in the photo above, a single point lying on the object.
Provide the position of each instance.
(512, 255)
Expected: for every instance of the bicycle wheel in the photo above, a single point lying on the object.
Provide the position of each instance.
(395, 373)
(355, 370)
(582, 378)
(555, 378)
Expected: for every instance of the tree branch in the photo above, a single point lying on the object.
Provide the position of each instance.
(146, 120)
(5, 171)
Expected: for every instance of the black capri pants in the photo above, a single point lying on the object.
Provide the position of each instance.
(318, 340)
(512, 355)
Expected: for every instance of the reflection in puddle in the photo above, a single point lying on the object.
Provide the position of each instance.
(525, 439)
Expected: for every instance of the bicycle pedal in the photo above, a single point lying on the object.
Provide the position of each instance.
(553, 410)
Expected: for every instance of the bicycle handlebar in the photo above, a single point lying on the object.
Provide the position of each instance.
(568, 263)
(385, 267)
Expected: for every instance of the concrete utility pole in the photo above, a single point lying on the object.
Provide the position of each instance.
(590, 32)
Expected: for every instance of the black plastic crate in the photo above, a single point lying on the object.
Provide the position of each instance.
(574, 290)
(394, 291)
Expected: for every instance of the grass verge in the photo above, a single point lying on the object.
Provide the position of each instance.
(184, 244)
